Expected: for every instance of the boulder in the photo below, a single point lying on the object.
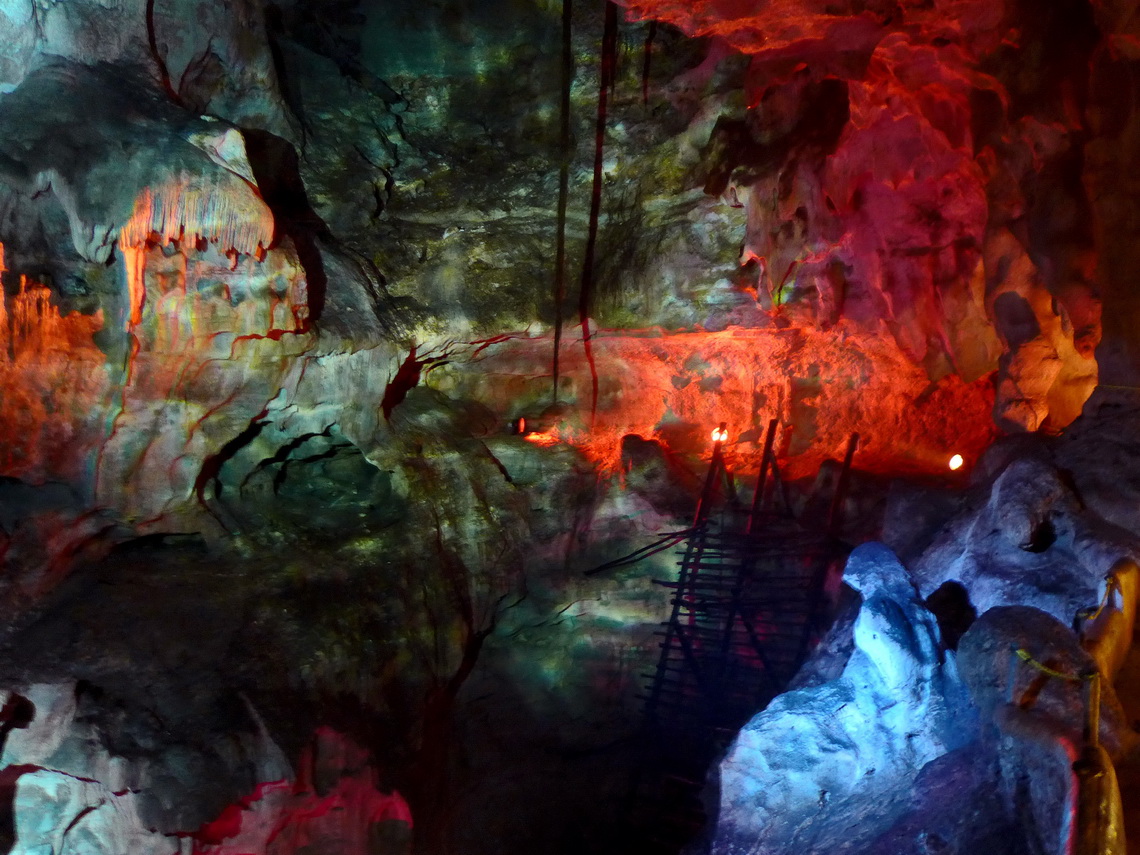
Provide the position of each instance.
(848, 750)
(1031, 542)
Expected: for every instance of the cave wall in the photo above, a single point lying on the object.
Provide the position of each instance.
(279, 276)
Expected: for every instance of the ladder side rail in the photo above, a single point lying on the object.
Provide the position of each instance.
(715, 465)
(762, 478)
(673, 624)
(758, 647)
(835, 514)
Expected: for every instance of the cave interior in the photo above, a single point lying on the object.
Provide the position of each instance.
(637, 428)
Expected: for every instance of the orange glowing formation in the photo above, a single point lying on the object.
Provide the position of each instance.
(544, 438)
(225, 211)
(956, 462)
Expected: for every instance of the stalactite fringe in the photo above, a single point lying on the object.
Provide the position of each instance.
(230, 214)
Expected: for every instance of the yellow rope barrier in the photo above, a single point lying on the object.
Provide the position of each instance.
(1025, 656)
(1090, 614)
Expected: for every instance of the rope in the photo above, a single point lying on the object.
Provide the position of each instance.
(1090, 614)
(1028, 659)
(669, 540)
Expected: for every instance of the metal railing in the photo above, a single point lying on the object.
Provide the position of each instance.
(1095, 806)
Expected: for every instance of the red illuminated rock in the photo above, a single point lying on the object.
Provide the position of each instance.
(888, 219)
(333, 807)
(677, 387)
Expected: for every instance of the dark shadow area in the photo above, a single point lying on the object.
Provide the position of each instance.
(277, 172)
(17, 713)
(1015, 320)
(955, 613)
(1043, 536)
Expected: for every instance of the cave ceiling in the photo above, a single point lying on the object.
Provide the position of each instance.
(943, 186)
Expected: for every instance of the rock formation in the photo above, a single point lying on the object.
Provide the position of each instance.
(337, 341)
(838, 760)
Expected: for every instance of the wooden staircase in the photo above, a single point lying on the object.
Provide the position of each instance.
(746, 609)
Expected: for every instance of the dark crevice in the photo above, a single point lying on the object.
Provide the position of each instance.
(647, 62)
(276, 169)
(17, 713)
(283, 473)
(9, 779)
(274, 30)
(737, 144)
(283, 453)
(407, 378)
(952, 608)
(1043, 536)
(212, 465)
(156, 55)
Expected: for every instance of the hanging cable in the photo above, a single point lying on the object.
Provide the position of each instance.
(606, 80)
(647, 61)
(564, 143)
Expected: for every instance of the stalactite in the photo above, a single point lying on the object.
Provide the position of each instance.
(36, 325)
(563, 181)
(28, 317)
(233, 217)
(586, 292)
(189, 210)
(134, 261)
(156, 55)
(32, 324)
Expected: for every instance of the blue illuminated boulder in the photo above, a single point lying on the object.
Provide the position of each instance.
(833, 765)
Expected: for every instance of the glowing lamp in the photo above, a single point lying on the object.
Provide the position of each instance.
(956, 462)
(720, 434)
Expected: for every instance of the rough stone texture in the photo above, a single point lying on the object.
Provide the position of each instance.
(985, 657)
(1029, 541)
(279, 274)
(953, 809)
(1039, 718)
(844, 754)
(675, 388)
(938, 115)
(391, 175)
(98, 170)
(72, 792)
(1098, 450)
(216, 60)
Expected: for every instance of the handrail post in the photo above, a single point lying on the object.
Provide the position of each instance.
(834, 516)
(761, 483)
(1092, 708)
(715, 465)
